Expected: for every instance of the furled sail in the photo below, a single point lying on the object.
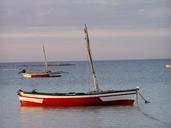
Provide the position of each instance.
(90, 59)
(46, 65)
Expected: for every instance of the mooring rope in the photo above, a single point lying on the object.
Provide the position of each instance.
(146, 101)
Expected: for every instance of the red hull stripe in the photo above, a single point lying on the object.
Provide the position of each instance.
(42, 75)
(78, 102)
(38, 76)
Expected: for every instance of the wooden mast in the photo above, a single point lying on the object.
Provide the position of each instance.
(90, 59)
(46, 65)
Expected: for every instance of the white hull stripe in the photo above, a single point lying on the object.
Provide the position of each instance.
(77, 96)
(26, 75)
(121, 97)
(31, 99)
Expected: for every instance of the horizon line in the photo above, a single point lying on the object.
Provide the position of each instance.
(61, 61)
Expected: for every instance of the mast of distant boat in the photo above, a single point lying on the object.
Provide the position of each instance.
(90, 59)
(46, 65)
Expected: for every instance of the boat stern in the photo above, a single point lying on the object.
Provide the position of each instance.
(26, 75)
(28, 101)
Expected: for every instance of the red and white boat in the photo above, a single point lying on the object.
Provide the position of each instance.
(92, 98)
(111, 97)
(41, 74)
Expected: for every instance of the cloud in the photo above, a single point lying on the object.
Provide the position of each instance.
(135, 34)
(160, 13)
(141, 11)
(111, 13)
(104, 2)
(99, 33)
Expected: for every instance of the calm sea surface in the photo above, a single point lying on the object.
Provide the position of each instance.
(151, 76)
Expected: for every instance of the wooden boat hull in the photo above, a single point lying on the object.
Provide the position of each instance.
(40, 75)
(122, 98)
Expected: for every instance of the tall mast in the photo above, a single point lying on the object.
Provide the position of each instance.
(46, 65)
(90, 59)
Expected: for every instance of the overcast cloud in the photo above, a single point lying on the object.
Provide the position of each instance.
(108, 13)
(113, 21)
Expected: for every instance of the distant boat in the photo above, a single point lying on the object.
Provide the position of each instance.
(41, 74)
(92, 98)
(168, 65)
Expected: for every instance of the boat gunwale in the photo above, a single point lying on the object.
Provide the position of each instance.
(42, 73)
(76, 94)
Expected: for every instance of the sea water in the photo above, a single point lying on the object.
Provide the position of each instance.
(151, 76)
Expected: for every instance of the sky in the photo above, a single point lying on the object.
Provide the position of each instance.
(118, 29)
